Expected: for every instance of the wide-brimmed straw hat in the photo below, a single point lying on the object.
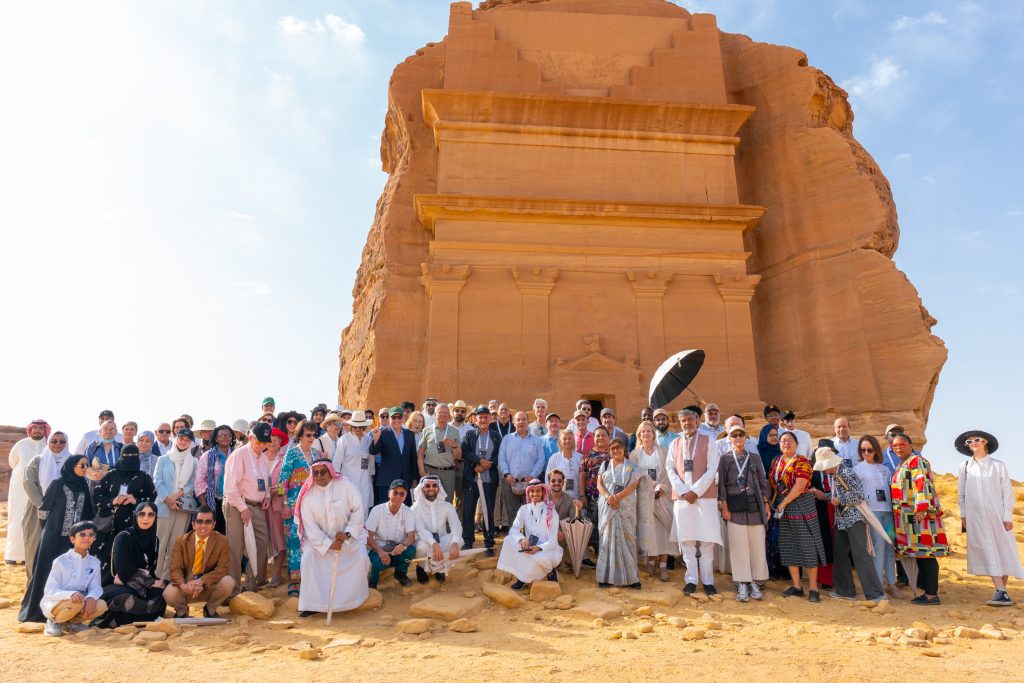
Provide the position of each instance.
(960, 443)
(825, 459)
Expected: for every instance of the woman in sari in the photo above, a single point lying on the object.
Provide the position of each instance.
(294, 473)
(654, 500)
(617, 482)
(590, 468)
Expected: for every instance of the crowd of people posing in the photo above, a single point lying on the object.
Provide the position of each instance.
(130, 523)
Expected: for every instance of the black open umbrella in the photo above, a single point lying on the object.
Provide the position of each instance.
(674, 376)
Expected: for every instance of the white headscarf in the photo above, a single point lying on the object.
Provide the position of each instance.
(50, 463)
(184, 464)
(429, 510)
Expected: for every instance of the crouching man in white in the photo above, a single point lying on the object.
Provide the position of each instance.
(438, 530)
(531, 551)
(330, 514)
(72, 593)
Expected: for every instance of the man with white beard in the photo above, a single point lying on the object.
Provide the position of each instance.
(352, 456)
(438, 529)
(17, 503)
(330, 513)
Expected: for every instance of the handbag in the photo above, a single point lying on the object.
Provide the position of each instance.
(741, 502)
(103, 524)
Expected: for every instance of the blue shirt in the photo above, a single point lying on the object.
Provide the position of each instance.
(665, 439)
(550, 444)
(521, 456)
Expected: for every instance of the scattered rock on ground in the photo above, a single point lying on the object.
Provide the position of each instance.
(129, 629)
(545, 590)
(463, 626)
(168, 626)
(252, 605)
(597, 609)
(158, 646)
(373, 601)
(693, 633)
(413, 626)
(279, 624)
(503, 595)
(311, 654)
(967, 632)
(447, 607)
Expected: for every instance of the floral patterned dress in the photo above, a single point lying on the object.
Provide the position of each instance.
(294, 473)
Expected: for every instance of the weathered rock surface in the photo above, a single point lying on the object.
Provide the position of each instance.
(542, 591)
(413, 626)
(503, 595)
(463, 626)
(252, 605)
(605, 133)
(597, 609)
(447, 607)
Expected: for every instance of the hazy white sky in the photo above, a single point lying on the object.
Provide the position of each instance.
(186, 187)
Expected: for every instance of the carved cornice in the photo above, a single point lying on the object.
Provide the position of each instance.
(649, 284)
(444, 278)
(535, 281)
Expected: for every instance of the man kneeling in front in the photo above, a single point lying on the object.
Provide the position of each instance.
(71, 597)
(199, 568)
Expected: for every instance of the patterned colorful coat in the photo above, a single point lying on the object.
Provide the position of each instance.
(913, 490)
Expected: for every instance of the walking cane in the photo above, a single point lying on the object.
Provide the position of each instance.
(334, 583)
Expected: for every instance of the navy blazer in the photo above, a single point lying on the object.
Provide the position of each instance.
(395, 463)
(470, 459)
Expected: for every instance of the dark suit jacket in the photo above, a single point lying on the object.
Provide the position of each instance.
(215, 559)
(395, 463)
(470, 459)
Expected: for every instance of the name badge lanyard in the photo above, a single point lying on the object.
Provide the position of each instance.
(261, 482)
(741, 477)
(688, 458)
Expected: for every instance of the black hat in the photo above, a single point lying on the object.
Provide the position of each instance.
(789, 415)
(109, 414)
(771, 408)
(960, 443)
(261, 430)
(828, 443)
(130, 449)
(482, 410)
(398, 483)
(322, 407)
(186, 432)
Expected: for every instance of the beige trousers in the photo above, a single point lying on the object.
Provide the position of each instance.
(746, 552)
(257, 568)
(214, 596)
(67, 612)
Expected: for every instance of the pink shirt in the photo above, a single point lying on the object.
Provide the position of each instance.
(242, 473)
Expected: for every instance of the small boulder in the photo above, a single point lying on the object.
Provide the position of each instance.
(343, 642)
(292, 603)
(967, 632)
(413, 627)
(645, 628)
(311, 654)
(503, 595)
(916, 633)
(447, 607)
(252, 605)
(993, 633)
(678, 622)
(127, 629)
(144, 637)
(5, 603)
(29, 627)
(240, 639)
(599, 623)
(463, 626)
(279, 624)
(168, 626)
(597, 609)
(644, 611)
(158, 646)
(693, 633)
(373, 601)
(541, 591)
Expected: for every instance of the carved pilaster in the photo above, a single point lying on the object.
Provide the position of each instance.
(443, 283)
(536, 284)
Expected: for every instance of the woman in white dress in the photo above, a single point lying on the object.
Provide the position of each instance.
(654, 497)
(531, 551)
(986, 510)
(352, 457)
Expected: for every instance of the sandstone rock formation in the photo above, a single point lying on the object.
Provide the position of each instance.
(578, 188)
(8, 437)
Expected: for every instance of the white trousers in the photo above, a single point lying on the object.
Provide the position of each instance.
(747, 552)
(706, 564)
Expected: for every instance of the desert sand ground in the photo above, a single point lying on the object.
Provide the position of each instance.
(779, 638)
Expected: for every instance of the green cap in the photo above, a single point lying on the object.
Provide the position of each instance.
(396, 410)
(269, 399)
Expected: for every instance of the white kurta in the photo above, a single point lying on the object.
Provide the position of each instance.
(17, 499)
(326, 512)
(438, 518)
(986, 500)
(352, 458)
(700, 521)
(71, 573)
(531, 520)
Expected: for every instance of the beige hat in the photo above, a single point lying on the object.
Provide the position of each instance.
(361, 422)
(579, 413)
(661, 411)
(458, 404)
(205, 426)
(737, 427)
(825, 459)
(894, 426)
(240, 426)
(331, 419)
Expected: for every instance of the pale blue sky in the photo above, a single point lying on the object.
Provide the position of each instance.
(186, 187)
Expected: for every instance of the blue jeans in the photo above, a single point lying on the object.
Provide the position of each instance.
(400, 563)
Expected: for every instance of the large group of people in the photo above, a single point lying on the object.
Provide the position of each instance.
(130, 523)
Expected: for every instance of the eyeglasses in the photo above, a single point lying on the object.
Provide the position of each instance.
(58, 442)
(203, 522)
(321, 472)
(972, 441)
(309, 435)
(267, 420)
(738, 435)
(430, 486)
(291, 421)
(82, 465)
(867, 450)
(396, 417)
(86, 534)
(147, 514)
(163, 431)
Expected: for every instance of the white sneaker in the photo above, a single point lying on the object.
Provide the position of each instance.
(755, 591)
(77, 628)
(743, 593)
(53, 629)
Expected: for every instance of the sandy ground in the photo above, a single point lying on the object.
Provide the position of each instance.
(778, 638)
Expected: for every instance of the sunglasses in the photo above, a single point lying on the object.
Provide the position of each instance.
(267, 420)
(82, 465)
(321, 472)
(309, 435)
(147, 514)
(86, 534)
(203, 522)
(58, 442)
(291, 421)
(867, 450)
(972, 441)
(738, 435)
(430, 486)
(396, 417)
(163, 431)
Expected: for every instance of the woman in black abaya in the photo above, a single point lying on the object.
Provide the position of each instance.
(135, 593)
(65, 503)
(122, 489)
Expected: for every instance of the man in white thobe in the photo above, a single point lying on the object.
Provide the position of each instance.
(330, 513)
(17, 502)
(352, 457)
(692, 466)
(438, 530)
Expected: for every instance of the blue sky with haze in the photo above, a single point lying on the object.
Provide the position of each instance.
(187, 187)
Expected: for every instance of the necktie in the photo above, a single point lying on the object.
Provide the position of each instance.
(197, 565)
